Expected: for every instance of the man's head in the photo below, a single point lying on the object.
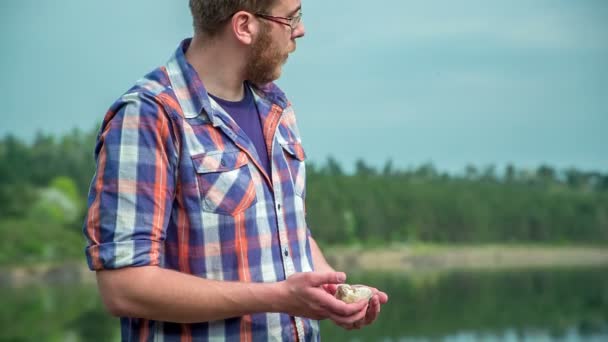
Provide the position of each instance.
(210, 16)
(265, 31)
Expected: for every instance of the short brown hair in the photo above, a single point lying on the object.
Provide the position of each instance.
(209, 16)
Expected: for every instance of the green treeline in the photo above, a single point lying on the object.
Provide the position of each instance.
(43, 188)
(424, 205)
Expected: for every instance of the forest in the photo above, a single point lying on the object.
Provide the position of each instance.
(44, 184)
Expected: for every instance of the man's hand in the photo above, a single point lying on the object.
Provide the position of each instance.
(306, 297)
(371, 310)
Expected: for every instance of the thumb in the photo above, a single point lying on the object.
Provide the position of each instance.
(321, 278)
(330, 288)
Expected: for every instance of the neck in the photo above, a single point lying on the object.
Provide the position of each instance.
(219, 66)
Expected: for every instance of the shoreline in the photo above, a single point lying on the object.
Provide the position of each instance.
(68, 272)
(441, 258)
(416, 258)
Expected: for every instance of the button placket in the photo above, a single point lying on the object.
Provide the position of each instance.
(288, 265)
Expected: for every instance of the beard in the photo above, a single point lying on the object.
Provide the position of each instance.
(266, 59)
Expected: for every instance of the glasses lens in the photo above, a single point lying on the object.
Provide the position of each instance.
(295, 21)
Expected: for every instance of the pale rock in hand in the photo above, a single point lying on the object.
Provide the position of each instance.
(353, 293)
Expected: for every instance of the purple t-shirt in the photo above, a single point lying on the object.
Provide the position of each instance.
(246, 115)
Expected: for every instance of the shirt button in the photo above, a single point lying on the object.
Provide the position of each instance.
(279, 206)
(286, 253)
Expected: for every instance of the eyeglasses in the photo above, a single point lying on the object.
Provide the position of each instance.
(292, 22)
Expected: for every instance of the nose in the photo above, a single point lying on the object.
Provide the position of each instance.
(299, 31)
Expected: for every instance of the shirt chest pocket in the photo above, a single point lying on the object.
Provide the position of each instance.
(294, 155)
(224, 181)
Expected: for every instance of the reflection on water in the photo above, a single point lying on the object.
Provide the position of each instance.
(549, 305)
(556, 305)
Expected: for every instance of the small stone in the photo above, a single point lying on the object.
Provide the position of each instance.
(353, 293)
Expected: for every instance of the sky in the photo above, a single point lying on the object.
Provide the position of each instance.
(414, 81)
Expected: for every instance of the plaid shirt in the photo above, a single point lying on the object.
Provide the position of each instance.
(180, 186)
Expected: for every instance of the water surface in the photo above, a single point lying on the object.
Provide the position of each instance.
(541, 305)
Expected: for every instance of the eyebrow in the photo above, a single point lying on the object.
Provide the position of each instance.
(292, 13)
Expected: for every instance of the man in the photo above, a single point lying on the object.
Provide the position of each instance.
(196, 221)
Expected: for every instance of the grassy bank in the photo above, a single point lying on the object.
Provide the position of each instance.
(393, 258)
(431, 257)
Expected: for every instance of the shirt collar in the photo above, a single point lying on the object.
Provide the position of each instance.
(191, 92)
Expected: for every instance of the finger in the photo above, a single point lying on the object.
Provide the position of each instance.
(346, 326)
(372, 311)
(383, 297)
(374, 290)
(339, 308)
(330, 307)
(330, 288)
(348, 320)
(320, 278)
(360, 315)
(330, 303)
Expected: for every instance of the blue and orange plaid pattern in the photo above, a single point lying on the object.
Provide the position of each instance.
(179, 185)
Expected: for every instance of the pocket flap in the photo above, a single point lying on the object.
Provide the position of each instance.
(295, 149)
(219, 161)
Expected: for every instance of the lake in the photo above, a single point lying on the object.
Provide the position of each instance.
(526, 305)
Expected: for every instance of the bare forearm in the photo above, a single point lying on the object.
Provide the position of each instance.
(318, 259)
(165, 295)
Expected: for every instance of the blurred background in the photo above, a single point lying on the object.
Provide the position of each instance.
(456, 159)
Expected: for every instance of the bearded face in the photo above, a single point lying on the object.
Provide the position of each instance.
(266, 58)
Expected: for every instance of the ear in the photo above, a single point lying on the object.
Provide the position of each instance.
(244, 27)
